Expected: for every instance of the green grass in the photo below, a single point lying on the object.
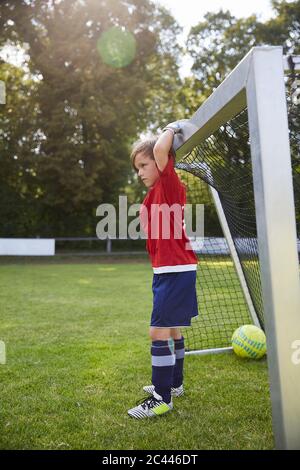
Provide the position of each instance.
(78, 354)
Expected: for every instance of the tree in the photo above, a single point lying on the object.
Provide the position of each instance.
(218, 43)
(87, 113)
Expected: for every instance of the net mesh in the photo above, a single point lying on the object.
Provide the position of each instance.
(223, 161)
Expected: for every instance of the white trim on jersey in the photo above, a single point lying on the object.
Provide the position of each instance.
(175, 269)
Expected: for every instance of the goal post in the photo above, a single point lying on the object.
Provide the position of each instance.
(256, 87)
(275, 214)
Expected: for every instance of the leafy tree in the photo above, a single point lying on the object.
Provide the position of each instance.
(87, 112)
(219, 43)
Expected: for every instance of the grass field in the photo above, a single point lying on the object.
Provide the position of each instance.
(78, 354)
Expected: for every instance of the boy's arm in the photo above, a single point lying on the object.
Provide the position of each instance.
(162, 148)
(182, 130)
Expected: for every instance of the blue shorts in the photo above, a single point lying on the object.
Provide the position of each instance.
(174, 299)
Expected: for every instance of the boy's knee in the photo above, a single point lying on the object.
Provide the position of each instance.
(176, 333)
(159, 334)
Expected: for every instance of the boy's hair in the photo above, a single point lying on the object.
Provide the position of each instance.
(146, 147)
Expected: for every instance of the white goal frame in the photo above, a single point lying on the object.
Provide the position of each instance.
(257, 83)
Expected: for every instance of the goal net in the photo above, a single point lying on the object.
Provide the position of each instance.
(218, 173)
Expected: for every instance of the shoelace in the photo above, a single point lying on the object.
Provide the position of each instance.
(146, 402)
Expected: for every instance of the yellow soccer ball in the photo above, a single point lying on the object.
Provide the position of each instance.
(249, 341)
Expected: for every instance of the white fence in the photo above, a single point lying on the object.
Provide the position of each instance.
(27, 246)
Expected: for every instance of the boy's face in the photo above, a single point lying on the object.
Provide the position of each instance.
(147, 169)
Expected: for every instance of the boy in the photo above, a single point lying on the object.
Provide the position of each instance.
(174, 265)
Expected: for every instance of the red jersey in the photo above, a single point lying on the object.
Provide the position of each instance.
(162, 219)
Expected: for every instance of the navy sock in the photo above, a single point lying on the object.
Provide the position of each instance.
(178, 369)
(163, 361)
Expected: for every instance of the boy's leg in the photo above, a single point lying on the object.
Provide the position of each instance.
(175, 333)
(163, 361)
(179, 354)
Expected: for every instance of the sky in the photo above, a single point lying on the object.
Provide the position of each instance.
(190, 12)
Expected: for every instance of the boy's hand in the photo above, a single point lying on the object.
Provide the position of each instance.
(183, 130)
